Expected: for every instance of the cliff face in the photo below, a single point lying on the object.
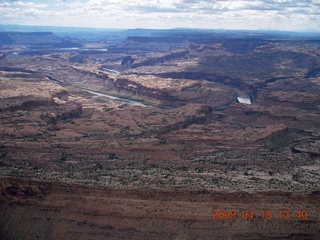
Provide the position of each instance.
(135, 88)
(25, 104)
(160, 59)
(173, 92)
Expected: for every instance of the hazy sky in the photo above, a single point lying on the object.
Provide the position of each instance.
(228, 14)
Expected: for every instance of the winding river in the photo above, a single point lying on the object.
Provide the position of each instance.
(131, 102)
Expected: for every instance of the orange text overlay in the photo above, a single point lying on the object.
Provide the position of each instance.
(262, 214)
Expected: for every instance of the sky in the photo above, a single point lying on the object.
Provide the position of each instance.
(289, 15)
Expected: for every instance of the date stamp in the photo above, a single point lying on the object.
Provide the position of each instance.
(262, 214)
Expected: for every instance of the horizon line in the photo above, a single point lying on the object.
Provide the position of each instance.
(175, 28)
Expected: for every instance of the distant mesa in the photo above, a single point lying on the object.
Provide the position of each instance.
(236, 45)
(37, 39)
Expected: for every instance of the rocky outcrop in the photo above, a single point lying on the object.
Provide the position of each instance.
(63, 113)
(24, 104)
(203, 48)
(79, 58)
(160, 59)
(127, 61)
(135, 88)
(15, 69)
(226, 80)
(183, 124)
(73, 111)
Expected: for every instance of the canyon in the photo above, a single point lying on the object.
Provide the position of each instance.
(149, 136)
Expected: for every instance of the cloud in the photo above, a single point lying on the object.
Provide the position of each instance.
(235, 14)
(29, 4)
(5, 4)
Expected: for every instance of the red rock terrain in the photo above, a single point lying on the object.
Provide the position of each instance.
(77, 164)
(34, 210)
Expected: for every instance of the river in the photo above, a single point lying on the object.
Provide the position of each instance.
(244, 100)
(111, 71)
(131, 102)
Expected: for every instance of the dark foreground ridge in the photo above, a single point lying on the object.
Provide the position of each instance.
(62, 211)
